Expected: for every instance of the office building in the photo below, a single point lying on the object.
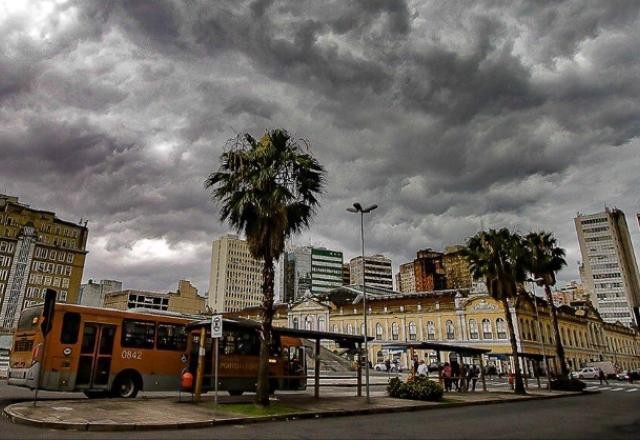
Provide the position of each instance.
(185, 300)
(311, 269)
(236, 277)
(37, 251)
(377, 271)
(346, 274)
(429, 271)
(456, 268)
(406, 278)
(92, 293)
(609, 272)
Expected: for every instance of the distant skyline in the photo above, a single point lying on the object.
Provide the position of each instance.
(448, 115)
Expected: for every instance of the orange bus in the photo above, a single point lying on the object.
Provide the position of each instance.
(239, 353)
(101, 352)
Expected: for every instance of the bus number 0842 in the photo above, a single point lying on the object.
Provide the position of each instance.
(128, 354)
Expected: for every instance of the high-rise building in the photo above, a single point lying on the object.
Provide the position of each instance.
(377, 271)
(610, 273)
(37, 251)
(429, 270)
(406, 278)
(456, 268)
(236, 277)
(184, 300)
(92, 293)
(308, 268)
(346, 274)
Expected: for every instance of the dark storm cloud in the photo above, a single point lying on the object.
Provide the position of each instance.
(449, 115)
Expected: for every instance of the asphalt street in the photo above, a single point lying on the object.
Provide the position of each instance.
(612, 413)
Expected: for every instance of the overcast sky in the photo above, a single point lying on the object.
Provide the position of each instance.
(448, 115)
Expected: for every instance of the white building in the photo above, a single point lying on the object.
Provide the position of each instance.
(378, 271)
(236, 277)
(609, 273)
(92, 293)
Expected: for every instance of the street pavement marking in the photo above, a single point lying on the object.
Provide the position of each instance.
(617, 389)
(592, 388)
(632, 390)
(605, 388)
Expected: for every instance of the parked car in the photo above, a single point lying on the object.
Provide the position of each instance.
(624, 375)
(586, 373)
(380, 366)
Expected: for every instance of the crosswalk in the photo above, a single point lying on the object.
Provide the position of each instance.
(613, 389)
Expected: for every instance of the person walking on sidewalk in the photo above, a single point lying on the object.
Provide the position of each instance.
(446, 374)
(602, 376)
(422, 369)
(472, 377)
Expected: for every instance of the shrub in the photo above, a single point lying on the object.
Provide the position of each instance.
(417, 388)
(567, 385)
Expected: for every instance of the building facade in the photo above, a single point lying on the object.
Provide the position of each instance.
(377, 271)
(92, 293)
(610, 272)
(406, 278)
(429, 271)
(235, 280)
(462, 318)
(37, 251)
(309, 269)
(185, 300)
(456, 268)
(346, 274)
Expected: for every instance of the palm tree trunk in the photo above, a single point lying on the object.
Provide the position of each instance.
(519, 384)
(262, 389)
(564, 372)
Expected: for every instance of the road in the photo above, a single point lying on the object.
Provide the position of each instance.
(611, 414)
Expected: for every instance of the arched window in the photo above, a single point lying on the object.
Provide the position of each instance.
(308, 323)
(295, 323)
(412, 331)
(350, 328)
(379, 331)
(394, 331)
(321, 324)
(431, 331)
(487, 331)
(501, 328)
(451, 330)
(473, 329)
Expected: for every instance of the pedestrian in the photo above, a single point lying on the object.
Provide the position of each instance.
(602, 376)
(415, 365)
(473, 376)
(387, 364)
(455, 375)
(464, 369)
(446, 374)
(422, 369)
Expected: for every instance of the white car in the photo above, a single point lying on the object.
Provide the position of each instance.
(586, 373)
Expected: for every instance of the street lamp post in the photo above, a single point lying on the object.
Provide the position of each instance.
(535, 304)
(357, 208)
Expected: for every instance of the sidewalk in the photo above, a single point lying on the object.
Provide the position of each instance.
(169, 413)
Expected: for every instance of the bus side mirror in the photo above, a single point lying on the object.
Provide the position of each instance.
(49, 306)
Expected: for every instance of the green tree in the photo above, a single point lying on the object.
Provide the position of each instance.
(497, 257)
(267, 189)
(543, 260)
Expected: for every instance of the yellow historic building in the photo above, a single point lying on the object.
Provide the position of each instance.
(460, 318)
(37, 251)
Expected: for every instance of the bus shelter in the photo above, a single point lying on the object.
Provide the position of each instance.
(315, 336)
(438, 347)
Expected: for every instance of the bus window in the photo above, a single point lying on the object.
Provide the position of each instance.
(171, 337)
(70, 328)
(88, 339)
(138, 334)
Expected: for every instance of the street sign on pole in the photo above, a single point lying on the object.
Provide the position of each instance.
(216, 334)
(216, 326)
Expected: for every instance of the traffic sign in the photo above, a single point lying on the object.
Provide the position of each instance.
(216, 326)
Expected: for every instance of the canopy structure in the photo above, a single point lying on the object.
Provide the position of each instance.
(343, 340)
(465, 350)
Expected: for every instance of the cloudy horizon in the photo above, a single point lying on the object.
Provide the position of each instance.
(451, 116)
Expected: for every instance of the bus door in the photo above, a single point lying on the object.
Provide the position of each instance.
(95, 356)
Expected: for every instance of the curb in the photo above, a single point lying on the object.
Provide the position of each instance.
(261, 419)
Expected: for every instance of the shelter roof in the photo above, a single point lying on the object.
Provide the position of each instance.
(456, 348)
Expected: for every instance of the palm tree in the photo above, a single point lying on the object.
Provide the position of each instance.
(267, 189)
(496, 256)
(544, 259)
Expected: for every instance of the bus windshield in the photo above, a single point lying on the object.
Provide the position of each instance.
(29, 319)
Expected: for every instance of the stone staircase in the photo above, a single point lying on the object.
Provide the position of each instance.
(329, 361)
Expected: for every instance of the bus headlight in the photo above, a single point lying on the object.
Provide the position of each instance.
(272, 361)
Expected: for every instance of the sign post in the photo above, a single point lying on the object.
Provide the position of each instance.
(45, 326)
(216, 334)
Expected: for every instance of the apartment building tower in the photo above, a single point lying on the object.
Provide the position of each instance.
(235, 280)
(456, 268)
(37, 251)
(377, 271)
(92, 293)
(429, 271)
(609, 270)
(406, 278)
(309, 269)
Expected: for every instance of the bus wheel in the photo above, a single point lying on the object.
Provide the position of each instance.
(235, 392)
(126, 386)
